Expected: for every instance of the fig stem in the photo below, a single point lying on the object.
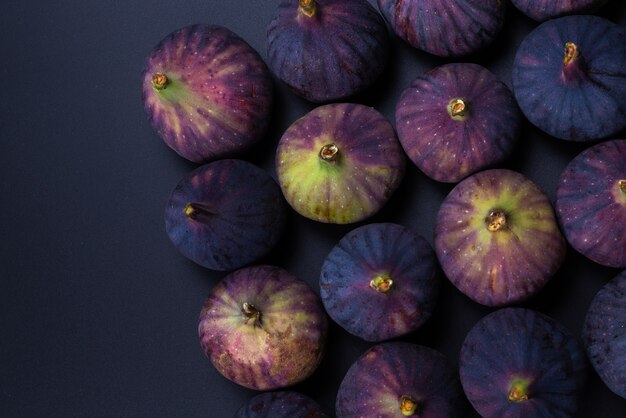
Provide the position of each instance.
(198, 212)
(571, 53)
(308, 7)
(519, 390)
(457, 107)
(408, 406)
(622, 185)
(329, 152)
(251, 312)
(496, 220)
(160, 81)
(382, 283)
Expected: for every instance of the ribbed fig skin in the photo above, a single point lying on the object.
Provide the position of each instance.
(591, 205)
(604, 334)
(446, 28)
(219, 94)
(281, 405)
(541, 10)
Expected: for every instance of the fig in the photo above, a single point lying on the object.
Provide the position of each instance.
(569, 78)
(285, 404)
(517, 362)
(326, 50)
(225, 214)
(207, 92)
(604, 334)
(379, 281)
(339, 163)
(457, 119)
(263, 328)
(446, 28)
(541, 10)
(497, 238)
(591, 203)
(399, 379)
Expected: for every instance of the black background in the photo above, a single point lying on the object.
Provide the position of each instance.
(98, 311)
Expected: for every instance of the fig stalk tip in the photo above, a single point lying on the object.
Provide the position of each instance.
(308, 7)
(408, 406)
(159, 81)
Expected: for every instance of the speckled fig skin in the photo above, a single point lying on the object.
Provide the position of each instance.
(327, 50)
(397, 380)
(207, 93)
(339, 163)
(497, 238)
(604, 334)
(263, 328)
(225, 214)
(541, 10)
(285, 404)
(379, 281)
(446, 28)
(519, 363)
(569, 78)
(591, 203)
(457, 119)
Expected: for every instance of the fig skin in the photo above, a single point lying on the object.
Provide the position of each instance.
(225, 214)
(604, 334)
(569, 78)
(337, 51)
(446, 28)
(541, 10)
(388, 374)
(457, 119)
(207, 93)
(263, 328)
(379, 281)
(518, 363)
(591, 203)
(285, 404)
(497, 239)
(339, 163)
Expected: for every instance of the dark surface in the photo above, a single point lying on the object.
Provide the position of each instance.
(98, 311)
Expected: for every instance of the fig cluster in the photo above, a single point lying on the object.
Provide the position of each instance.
(498, 238)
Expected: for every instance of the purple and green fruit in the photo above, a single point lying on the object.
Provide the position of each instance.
(225, 214)
(517, 362)
(339, 163)
(398, 379)
(207, 93)
(604, 334)
(541, 10)
(591, 203)
(497, 238)
(569, 78)
(457, 119)
(263, 328)
(379, 281)
(326, 50)
(285, 404)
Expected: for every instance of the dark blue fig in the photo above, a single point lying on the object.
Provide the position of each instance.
(541, 10)
(379, 281)
(604, 334)
(520, 363)
(326, 50)
(281, 405)
(445, 27)
(396, 380)
(225, 214)
(569, 77)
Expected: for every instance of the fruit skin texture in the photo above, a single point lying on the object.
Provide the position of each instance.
(517, 362)
(357, 270)
(446, 28)
(447, 144)
(604, 334)
(578, 96)
(591, 203)
(263, 328)
(350, 184)
(338, 51)
(218, 96)
(376, 383)
(281, 405)
(497, 238)
(541, 10)
(225, 214)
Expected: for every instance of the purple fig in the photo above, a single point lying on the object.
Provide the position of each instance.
(263, 328)
(281, 405)
(207, 93)
(520, 363)
(326, 50)
(225, 214)
(541, 10)
(569, 78)
(591, 203)
(339, 163)
(396, 380)
(497, 238)
(457, 119)
(379, 281)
